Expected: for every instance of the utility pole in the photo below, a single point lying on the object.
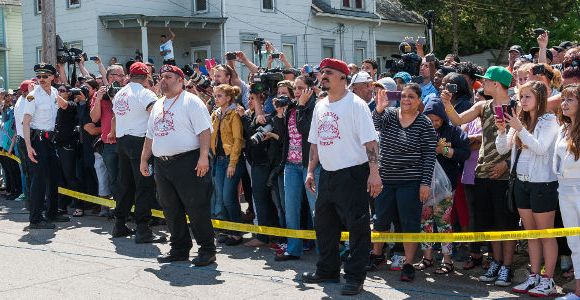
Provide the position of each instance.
(48, 32)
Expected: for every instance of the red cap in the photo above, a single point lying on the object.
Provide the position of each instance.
(25, 84)
(335, 64)
(139, 68)
(172, 69)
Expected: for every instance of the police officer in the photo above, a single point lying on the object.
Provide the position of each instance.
(39, 121)
(131, 106)
(178, 136)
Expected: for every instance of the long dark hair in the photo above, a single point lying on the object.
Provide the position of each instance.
(540, 91)
(463, 88)
(573, 136)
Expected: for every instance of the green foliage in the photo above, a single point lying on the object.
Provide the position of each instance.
(485, 24)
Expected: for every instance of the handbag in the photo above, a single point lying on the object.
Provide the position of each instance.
(511, 199)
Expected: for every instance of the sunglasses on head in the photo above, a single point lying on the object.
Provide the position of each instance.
(42, 76)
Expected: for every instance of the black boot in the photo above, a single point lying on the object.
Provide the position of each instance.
(144, 235)
(121, 230)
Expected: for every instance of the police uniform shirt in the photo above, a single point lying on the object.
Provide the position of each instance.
(42, 107)
(19, 115)
(175, 130)
(130, 107)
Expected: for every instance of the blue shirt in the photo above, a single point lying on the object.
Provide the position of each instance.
(426, 90)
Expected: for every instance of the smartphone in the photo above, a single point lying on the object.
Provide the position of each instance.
(421, 40)
(93, 58)
(275, 55)
(394, 95)
(539, 31)
(451, 87)
(499, 113)
(231, 56)
(507, 109)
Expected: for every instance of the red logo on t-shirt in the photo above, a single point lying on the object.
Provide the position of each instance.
(121, 106)
(163, 125)
(328, 129)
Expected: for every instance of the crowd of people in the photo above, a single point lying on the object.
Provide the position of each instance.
(331, 147)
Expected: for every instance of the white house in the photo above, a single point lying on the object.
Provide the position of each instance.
(305, 30)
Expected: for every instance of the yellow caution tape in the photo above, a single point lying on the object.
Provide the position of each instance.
(375, 236)
(14, 157)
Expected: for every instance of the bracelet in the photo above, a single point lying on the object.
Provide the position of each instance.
(445, 151)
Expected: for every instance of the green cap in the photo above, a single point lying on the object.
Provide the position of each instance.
(499, 74)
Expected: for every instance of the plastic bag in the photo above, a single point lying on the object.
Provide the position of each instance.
(440, 186)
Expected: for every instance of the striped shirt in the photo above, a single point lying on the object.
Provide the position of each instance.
(407, 154)
(488, 155)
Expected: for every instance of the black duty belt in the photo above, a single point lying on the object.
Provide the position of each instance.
(176, 156)
(43, 134)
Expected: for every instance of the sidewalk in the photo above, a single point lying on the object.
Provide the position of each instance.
(79, 260)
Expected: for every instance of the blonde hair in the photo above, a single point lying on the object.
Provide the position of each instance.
(556, 81)
(230, 91)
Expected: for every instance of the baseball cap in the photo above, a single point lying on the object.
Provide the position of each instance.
(360, 77)
(535, 50)
(138, 68)
(566, 45)
(387, 83)
(499, 74)
(406, 77)
(517, 48)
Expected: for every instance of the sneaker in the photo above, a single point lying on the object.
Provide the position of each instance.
(527, 285)
(504, 276)
(408, 273)
(569, 296)
(282, 249)
(546, 288)
(397, 262)
(375, 262)
(491, 274)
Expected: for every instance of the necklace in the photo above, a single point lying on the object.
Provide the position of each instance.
(170, 106)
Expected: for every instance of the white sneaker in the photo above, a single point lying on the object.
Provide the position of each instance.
(397, 262)
(524, 287)
(569, 296)
(546, 288)
(491, 274)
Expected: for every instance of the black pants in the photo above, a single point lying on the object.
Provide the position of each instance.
(342, 201)
(133, 187)
(25, 165)
(44, 179)
(67, 155)
(181, 193)
(265, 208)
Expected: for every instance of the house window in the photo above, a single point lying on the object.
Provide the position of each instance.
(37, 7)
(327, 48)
(75, 44)
(200, 6)
(73, 3)
(248, 48)
(357, 4)
(38, 55)
(288, 50)
(359, 54)
(268, 5)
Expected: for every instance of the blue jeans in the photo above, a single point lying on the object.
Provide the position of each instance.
(226, 206)
(294, 178)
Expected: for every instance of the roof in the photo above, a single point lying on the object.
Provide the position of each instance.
(393, 10)
(135, 21)
(321, 6)
(11, 2)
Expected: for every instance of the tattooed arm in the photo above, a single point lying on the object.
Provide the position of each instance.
(374, 184)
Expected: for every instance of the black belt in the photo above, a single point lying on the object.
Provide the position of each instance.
(176, 156)
(43, 134)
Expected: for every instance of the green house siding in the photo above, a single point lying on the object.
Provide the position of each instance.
(13, 37)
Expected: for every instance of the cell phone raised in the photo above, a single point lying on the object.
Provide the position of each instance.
(93, 58)
(539, 31)
(507, 109)
(231, 56)
(275, 55)
(499, 113)
(394, 95)
(451, 87)
(421, 40)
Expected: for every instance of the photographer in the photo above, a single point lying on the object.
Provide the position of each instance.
(295, 159)
(258, 136)
(226, 74)
(462, 98)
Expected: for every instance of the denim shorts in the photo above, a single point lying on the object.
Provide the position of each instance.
(540, 197)
(399, 201)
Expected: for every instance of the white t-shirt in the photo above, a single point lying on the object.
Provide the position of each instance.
(167, 46)
(177, 130)
(340, 130)
(130, 107)
(42, 107)
(19, 115)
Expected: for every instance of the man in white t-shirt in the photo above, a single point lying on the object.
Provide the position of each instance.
(178, 136)
(131, 106)
(166, 49)
(343, 139)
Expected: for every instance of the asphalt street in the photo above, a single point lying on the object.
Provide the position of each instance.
(80, 260)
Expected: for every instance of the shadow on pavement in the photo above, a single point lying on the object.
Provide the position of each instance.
(183, 274)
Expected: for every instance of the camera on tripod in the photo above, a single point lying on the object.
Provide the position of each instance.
(66, 55)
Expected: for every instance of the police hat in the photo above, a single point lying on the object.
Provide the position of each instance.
(44, 68)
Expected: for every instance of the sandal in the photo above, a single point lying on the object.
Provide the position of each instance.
(445, 268)
(78, 213)
(472, 262)
(424, 264)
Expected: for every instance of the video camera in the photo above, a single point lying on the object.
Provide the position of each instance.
(82, 90)
(408, 61)
(201, 82)
(268, 81)
(64, 54)
(112, 90)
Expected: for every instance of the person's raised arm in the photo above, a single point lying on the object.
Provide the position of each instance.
(466, 116)
(287, 64)
(102, 70)
(171, 33)
(96, 109)
(244, 59)
(82, 67)
(543, 44)
(61, 73)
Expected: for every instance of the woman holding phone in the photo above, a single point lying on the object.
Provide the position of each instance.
(531, 141)
(567, 167)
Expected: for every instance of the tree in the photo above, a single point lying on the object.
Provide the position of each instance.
(472, 27)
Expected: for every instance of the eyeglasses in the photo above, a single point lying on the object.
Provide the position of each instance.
(42, 76)
(116, 74)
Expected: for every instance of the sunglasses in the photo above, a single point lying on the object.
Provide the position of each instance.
(42, 76)
(62, 90)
